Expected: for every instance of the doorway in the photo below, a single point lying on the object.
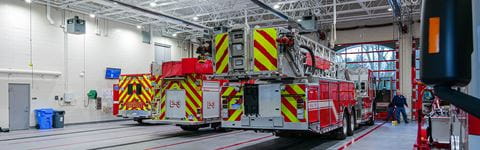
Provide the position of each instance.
(19, 106)
(163, 53)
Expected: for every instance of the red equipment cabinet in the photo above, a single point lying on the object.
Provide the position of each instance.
(116, 103)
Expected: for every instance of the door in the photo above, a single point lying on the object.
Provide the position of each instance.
(211, 99)
(163, 53)
(19, 106)
(269, 100)
(175, 104)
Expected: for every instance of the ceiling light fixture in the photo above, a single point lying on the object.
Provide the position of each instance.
(139, 26)
(153, 4)
(276, 6)
(195, 18)
(92, 15)
(28, 1)
(390, 9)
(175, 34)
(298, 20)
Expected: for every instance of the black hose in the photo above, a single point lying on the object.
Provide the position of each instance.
(461, 100)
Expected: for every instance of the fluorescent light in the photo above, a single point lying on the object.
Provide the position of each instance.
(390, 9)
(195, 18)
(175, 34)
(276, 6)
(298, 20)
(92, 15)
(28, 1)
(153, 4)
(139, 26)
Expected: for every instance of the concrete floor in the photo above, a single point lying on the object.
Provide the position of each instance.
(128, 135)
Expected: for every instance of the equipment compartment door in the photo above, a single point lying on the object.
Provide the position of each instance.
(211, 104)
(269, 100)
(175, 100)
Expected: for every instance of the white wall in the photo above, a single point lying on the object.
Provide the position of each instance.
(53, 50)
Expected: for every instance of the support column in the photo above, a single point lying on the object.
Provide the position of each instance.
(405, 62)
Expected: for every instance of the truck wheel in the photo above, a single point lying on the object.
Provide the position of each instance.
(356, 125)
(351, 124)
(139, 121)
(189, 128)
(341, 133)
(371, 121)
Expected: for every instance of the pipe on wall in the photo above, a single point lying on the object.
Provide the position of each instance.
(49, 16)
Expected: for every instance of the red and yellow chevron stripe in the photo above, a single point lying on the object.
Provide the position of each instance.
(265, 51)
(192, 84)
(132, 100)
(291, 95)
(193, 100)
(221, 53)
(233, 97)
(167, 85)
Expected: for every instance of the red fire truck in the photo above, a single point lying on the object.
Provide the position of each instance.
(186, 98)
(283, 82)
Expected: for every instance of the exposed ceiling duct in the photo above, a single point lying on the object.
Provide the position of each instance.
(276, 12)
(159, 14)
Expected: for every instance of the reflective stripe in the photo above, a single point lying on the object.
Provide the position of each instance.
(290, 96)
(265, 51)
(221, 53)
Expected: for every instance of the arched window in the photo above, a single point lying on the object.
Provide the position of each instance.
(380, 58)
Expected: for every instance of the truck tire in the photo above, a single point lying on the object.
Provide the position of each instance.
(341, 133)
(371, 121)
(356, 125)
(189, 128)
(351, 124)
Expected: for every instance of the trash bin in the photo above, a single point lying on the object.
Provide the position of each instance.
(58, 119)
(44, 118)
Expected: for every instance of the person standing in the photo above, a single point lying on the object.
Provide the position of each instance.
(400, 102)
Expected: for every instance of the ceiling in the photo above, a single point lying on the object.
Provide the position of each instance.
(213, 13)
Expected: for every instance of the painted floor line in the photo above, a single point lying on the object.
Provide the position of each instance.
(39, 136)
(244, 142)
(97, 140)
(193, 140)
(346, 145)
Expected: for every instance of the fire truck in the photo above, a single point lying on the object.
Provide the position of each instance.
(186, 98)
(364, 94)
(283, 82)
(135, 96)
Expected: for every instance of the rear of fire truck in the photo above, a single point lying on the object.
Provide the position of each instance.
(282, 82)
(135, 96)
(187, 99)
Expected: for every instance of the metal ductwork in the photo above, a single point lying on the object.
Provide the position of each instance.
(276, 12)
(396, 7)
(159, 14)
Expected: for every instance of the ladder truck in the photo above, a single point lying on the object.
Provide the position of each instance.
(283, 82)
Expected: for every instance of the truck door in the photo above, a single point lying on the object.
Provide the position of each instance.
(211, 99)
(175, 100)
(269, 100)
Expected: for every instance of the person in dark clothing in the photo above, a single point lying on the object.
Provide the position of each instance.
(400, 101)
(390, 111)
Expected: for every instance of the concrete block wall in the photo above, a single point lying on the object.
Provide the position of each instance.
(81, 59)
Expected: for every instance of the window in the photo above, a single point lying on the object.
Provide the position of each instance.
(130, 89)
(380, 58)
(139, 89)
(162, 53)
